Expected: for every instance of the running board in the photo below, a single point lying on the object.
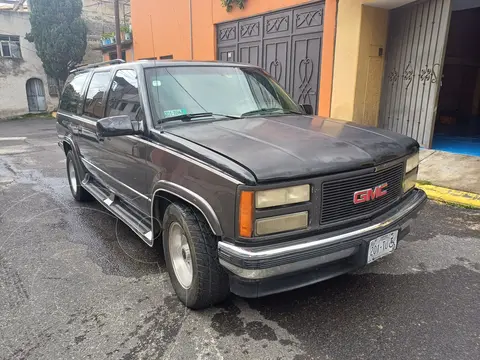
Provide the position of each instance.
(131, 217)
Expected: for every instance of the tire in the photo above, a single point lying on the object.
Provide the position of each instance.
(78, 192)
(209, 282)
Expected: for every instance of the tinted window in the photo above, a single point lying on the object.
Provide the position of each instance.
(72, 93)
(93, 102)
(123, 98)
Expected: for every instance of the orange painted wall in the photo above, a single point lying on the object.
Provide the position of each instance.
(163, 28)
(129, 55)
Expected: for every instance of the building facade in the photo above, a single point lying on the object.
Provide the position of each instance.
(376, 62)
(23, 82)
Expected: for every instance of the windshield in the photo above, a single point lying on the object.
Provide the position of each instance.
(220, 90)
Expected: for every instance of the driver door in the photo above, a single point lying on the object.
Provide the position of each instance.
(123, 158)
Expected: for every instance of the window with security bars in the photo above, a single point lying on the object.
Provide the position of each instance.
(10, 46)
(53, 88)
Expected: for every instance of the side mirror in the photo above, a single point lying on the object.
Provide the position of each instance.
(307, 108)
(120, 125)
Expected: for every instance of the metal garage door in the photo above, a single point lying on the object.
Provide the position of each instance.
(285, 43)
(417, 37)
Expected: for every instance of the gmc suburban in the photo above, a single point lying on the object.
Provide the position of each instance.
(247, 191)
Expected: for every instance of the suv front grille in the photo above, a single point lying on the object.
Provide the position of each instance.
(337, 195)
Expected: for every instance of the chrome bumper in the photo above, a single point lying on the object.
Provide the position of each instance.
(256, 263)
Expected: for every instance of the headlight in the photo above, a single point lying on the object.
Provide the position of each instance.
(412, 163)
(410, 180)
(277, 224)
(284, 196)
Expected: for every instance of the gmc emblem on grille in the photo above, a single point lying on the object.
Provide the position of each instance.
(369, 194)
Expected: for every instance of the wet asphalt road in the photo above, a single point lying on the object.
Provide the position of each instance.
(75, 283)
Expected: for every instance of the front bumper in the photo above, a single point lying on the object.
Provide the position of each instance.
(259, 271)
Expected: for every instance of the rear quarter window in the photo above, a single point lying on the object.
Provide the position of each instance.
(72, 92)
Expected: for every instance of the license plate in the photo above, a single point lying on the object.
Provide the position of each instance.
(382, 246)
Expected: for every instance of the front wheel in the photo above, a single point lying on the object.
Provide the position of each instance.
(191, 257)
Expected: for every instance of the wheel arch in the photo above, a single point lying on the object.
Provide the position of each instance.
(166, 192)
(69, 145)
(66, 146)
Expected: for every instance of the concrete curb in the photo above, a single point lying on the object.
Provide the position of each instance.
(450, 196)
(30, 116)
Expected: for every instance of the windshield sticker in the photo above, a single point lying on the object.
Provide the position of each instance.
(176, 112)
(156, 83)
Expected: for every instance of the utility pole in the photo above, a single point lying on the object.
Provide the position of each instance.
(118, 39)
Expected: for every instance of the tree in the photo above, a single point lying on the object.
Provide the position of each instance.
(59, 34)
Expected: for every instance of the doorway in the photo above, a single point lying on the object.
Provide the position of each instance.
(36, 96)
(457, 125)
(417, 35)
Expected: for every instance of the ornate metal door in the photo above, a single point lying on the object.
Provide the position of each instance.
(417, 37)
(285, 43)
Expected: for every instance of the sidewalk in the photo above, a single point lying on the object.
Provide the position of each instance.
(450, 178)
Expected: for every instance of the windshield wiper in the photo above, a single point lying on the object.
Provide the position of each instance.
(269, 111)
(189, 117)
(228, 116)
(185, 117)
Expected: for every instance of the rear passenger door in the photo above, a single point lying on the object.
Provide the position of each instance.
(93, 110)
(124, 157)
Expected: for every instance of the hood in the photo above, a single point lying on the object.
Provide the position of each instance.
(285, 147)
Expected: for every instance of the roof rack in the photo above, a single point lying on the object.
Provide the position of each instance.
(103, 63)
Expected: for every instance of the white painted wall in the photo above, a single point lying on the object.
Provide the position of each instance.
(14, 73)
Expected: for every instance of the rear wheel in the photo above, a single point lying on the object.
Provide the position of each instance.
(191, 257)
(78, 192)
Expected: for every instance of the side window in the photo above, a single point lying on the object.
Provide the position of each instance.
(93, 102)
(72, 93)
(123, 98)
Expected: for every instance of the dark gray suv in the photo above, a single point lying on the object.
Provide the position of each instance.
(247, 190)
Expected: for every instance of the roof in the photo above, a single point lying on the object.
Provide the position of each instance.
(165, 63)
(158, 63)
